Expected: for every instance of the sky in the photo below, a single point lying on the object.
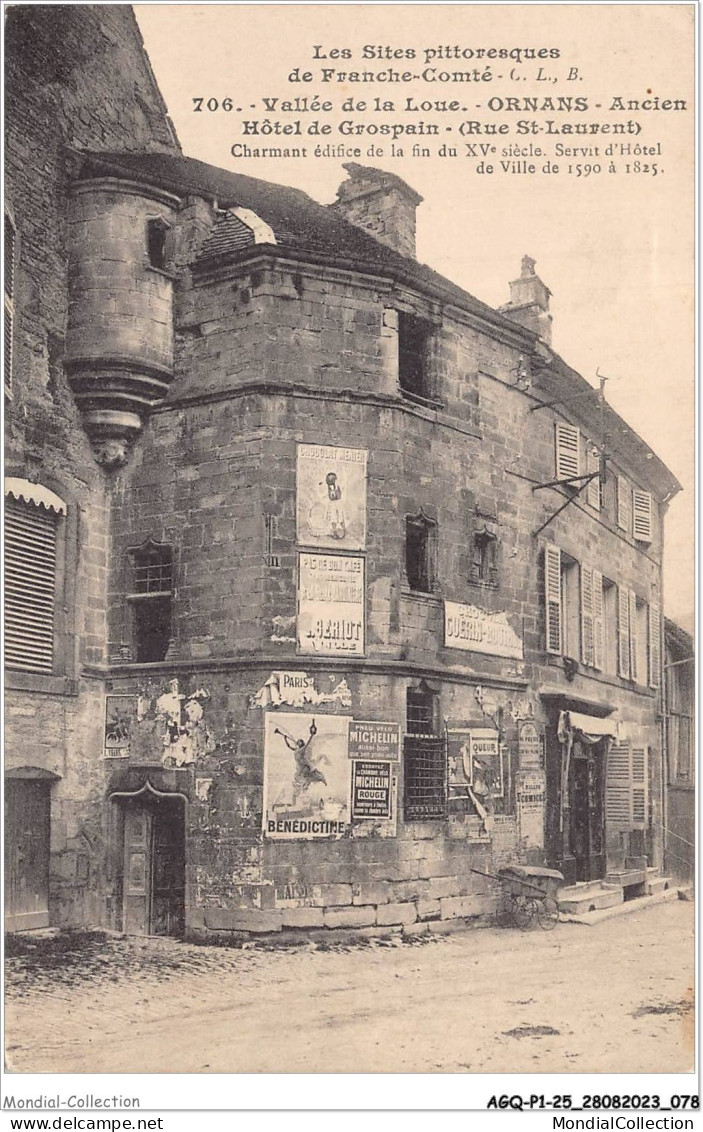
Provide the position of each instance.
(615, 248)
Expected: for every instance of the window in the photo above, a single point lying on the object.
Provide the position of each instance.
(594, 488)
(151, 600)
(414, 356)
(679, 716)
(483, 568)
(32, 523)
(424, 758)
(422, 711)
(592, 617)
(420, 552)
(641, 643)
(624, 504)
(610, 627)
(10, 251)
(567, 451)
(570, 607)
(156, 232)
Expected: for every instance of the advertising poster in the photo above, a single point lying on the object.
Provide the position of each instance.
(374, 740)
(120, 716)
(371, 789)
(331, 604)
(306, 776)
(331, 496)
(530, 788)
(530, 747)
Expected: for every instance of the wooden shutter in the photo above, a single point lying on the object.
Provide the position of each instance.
(634, 668)
(642, 515)
(598, 620)
(593, 465)
(587, 646)
(568, 463)
(623, 633)
(618, 807)
(30, 580)
(638, 786)
(624, 504)
(626, 787)
(655, 652)
(552, 598)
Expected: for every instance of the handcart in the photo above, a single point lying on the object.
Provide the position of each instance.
(530, 895)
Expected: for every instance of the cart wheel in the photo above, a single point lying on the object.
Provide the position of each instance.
(525, 909)
(547, 914)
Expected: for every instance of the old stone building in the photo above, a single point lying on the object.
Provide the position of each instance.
(358, 582)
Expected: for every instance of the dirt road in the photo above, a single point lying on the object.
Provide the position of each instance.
(615, 997)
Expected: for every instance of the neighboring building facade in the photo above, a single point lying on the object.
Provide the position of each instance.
(382, 573)
(75, 76)
(679, 732)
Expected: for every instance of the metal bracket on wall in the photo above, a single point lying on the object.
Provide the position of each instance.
(570, 482)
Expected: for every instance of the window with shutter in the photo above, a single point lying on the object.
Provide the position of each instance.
(30, 586)
(592, 466)
(598, 620)
(632, 621)
(626, 787)
(587, 642)
(623, 633)
(568, 463)
(552, 598)
(642, 515)
(624, 504)
(618, 806)
(655, 655)
(10, 253)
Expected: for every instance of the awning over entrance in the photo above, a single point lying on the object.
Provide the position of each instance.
(591, 726)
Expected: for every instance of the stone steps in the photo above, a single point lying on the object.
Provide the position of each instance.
(589, 896)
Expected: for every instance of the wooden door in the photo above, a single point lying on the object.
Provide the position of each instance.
(168, 869)
(136, 889)
(27, 827)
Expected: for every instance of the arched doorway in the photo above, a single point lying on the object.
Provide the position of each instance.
(151, 825)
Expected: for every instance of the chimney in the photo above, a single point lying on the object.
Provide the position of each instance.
(529, 301)
(381, 204)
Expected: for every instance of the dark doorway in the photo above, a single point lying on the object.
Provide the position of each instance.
(153, 890)
(27, 826)
(586, 785)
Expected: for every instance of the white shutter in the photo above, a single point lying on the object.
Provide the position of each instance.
(634, 670)
(552, 598)
(655, 651)
(618, 808)
(598, 620)
(568, 463)
(30, 581)
(642, 515)
(639, 775)
(624, 504)
(586, 615)
(623, 633)
(593, 465)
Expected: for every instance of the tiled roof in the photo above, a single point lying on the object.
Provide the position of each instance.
(303, 226)
(300, 223)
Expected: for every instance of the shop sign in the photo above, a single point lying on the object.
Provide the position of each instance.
(372, 740)
(530, 791)
(477, 630)
(306, 776)
(530, 747)
(331, 604)
(331, 496)
(371, 789)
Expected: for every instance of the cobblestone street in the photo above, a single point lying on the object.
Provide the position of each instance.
(613, 997)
